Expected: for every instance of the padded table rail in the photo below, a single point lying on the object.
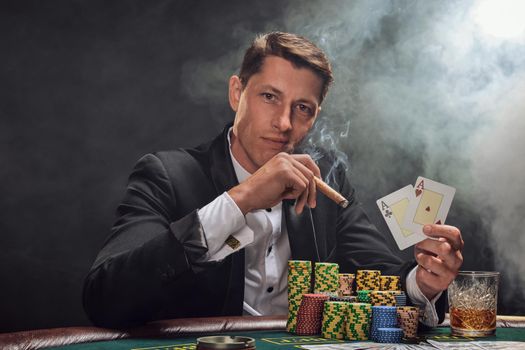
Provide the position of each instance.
(176, 328)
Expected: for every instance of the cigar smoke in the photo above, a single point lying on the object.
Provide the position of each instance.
(426, 88)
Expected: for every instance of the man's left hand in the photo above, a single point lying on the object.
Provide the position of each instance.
(439, 259)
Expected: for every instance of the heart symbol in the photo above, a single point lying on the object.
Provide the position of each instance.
(427, 208)
(418, 192)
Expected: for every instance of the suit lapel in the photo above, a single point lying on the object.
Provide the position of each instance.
(221, 166)
(300, 233)
(223, 178)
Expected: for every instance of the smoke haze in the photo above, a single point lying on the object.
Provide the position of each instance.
(425, 90)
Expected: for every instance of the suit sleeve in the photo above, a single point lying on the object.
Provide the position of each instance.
(146, 252)
(360, 246)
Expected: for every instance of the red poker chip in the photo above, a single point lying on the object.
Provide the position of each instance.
(316, 296)
(310, 313)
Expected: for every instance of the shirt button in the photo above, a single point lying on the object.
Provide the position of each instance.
(268, 209)
(270, 289)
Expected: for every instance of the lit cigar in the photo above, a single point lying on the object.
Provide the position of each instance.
(330, 192)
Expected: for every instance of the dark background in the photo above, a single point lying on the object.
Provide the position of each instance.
(87, 88)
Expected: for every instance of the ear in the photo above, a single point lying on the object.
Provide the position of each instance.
(235, 91)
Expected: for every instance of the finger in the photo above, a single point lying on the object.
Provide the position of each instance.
(431, 280)
(436, 272)
(437, 266)
(432, 264)
(308, 162)
(312, 194)
(434, 247)
(451, 233)
(421, 250)
(301, 201)
(297, 188)
(302, 179)
(439, 248)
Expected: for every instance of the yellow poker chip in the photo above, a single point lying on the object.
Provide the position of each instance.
(407, 308)
(299, 276)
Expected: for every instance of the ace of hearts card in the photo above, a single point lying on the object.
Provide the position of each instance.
(431, 204)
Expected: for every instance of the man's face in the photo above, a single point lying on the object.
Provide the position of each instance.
(273, 112)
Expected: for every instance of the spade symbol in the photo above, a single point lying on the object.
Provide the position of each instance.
(427, 208)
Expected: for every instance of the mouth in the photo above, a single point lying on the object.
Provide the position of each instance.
(276, 142)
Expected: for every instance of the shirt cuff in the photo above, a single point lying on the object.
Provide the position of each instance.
(427, 308)
(223, 224)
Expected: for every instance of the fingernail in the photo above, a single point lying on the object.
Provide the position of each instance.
(427, 229)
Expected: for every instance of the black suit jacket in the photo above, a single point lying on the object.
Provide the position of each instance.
(147, 268)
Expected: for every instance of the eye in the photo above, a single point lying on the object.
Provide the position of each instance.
(268, 96)
(304, 109)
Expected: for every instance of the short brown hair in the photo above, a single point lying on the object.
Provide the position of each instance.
(294, 48)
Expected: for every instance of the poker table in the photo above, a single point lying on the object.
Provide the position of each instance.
(269, 333)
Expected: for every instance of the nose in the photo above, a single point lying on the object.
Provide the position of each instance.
(283, 119)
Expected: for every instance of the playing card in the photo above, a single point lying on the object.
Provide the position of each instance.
(394, 208)
(430, 206)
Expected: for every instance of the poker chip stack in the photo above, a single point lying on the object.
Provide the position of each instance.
(401, 299)
(357, 321)
(390, 282)
(383, 298)
(408, 318)
(368, 280)
(363, 296)
(346, 280)
(326, 278)
(382, 317)
(333, 324)
(310, 314)
(299, 277)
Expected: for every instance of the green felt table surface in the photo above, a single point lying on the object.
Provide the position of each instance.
(274, 340)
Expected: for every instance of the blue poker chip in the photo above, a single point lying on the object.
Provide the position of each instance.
(383, 320)
(391, 330)
(384, 308)
(383, 317)
(401, 301)
(388, 335)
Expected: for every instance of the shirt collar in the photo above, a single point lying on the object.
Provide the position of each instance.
(241, 173)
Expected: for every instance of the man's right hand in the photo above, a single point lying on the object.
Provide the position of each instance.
(285, 176)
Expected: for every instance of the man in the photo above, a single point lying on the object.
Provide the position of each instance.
(208, 231)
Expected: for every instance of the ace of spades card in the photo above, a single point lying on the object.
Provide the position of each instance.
(394, 207)
(430, 206)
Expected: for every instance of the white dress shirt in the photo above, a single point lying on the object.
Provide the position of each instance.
(264, 236)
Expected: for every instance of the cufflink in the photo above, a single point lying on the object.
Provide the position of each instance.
(232, 242)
